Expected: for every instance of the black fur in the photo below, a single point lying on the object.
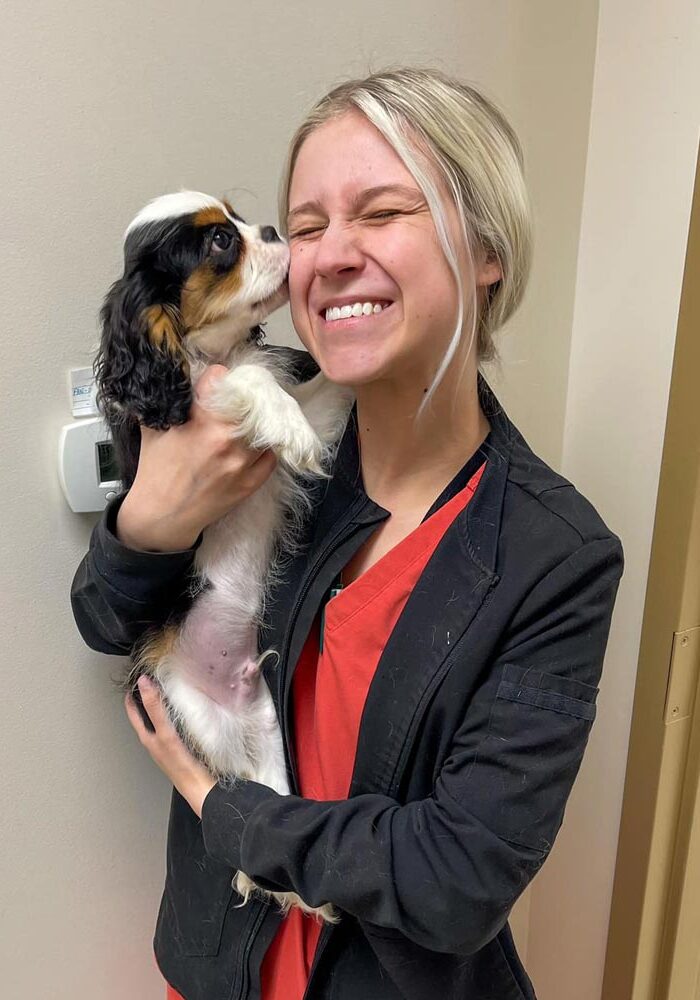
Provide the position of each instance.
(137, 382)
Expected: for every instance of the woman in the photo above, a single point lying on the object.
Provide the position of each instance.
(441, 643)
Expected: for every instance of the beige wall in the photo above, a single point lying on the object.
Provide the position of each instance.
(634, 226)
(105, 105)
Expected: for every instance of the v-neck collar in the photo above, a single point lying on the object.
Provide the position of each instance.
(347, 601)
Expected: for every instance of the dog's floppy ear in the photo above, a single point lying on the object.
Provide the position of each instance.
(141, 369)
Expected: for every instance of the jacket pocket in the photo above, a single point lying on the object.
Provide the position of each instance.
(538, 730)
(197, 892)
(558, 694)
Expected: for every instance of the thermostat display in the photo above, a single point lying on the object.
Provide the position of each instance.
(107, 463)
(86, 465)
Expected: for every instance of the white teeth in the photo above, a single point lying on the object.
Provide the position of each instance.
(358, 309)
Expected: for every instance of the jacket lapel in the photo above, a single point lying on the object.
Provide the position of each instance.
(442, 606)
(439, 611)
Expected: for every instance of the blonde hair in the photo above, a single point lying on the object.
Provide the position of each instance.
(444, 130)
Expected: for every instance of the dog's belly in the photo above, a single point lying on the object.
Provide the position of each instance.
(222, 666)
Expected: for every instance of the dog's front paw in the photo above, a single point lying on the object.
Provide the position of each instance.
(300, 447)
(238, 398)
(268, 417)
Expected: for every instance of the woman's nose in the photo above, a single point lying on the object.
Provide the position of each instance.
(337, 251)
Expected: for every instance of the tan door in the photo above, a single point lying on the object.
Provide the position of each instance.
(654, 937)
(681, 960)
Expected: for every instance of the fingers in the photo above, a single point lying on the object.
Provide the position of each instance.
(263, 461)
(154, 708)
(208, 379)
(249, 469)
(152, 702)
(134, 717)
(218, 438)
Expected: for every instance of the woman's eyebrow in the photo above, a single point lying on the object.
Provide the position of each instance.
(360, 199)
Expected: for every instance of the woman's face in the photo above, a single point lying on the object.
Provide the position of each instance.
(361, 235)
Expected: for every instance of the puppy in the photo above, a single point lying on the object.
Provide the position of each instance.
(197, 283)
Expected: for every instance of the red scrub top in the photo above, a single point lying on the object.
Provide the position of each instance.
(329, 692)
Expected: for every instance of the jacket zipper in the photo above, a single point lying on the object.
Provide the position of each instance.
(320, 948)
(246, 954)
(336, 539)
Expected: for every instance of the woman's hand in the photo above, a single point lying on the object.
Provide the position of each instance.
(188, 477)
(187, 774)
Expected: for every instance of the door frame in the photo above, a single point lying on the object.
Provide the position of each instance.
(657, 889)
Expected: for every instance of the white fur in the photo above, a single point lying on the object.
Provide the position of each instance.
(174, 206)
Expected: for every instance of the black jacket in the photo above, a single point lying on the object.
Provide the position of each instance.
(471, 737)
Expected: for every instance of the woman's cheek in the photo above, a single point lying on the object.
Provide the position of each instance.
(295, 276)
(300, 267)
(301, 320)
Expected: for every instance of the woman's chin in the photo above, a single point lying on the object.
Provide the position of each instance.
(351, 376)
(351, 368)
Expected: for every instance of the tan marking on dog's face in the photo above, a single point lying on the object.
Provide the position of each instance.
(207, 296)
(162, 323)
(211, 216)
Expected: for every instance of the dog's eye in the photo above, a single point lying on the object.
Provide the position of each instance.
(221, 240)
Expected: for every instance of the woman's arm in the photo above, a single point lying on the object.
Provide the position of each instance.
(445, 871)
(118, 592)
(142, 551)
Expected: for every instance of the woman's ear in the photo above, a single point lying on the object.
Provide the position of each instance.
(141, 369)
(488, 269)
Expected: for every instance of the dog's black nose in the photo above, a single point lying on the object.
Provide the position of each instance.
(268, 234)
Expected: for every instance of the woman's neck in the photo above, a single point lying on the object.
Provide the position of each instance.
(407, 462)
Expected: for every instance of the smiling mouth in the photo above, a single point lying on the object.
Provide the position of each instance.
(356, 311)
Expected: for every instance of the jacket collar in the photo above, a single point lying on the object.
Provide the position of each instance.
(481, 523)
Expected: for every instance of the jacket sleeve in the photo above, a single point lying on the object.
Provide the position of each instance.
(118, 593)
(445, 871)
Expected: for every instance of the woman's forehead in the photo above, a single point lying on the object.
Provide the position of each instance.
(343, 157)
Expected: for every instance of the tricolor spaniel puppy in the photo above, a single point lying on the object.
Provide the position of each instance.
(197, 283)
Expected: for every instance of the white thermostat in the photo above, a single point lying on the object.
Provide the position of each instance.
(87, 467)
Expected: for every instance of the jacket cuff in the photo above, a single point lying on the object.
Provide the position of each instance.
(225, 814)
(130, 571)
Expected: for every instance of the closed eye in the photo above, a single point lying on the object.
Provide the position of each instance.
(378, 216)
(305, 232)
